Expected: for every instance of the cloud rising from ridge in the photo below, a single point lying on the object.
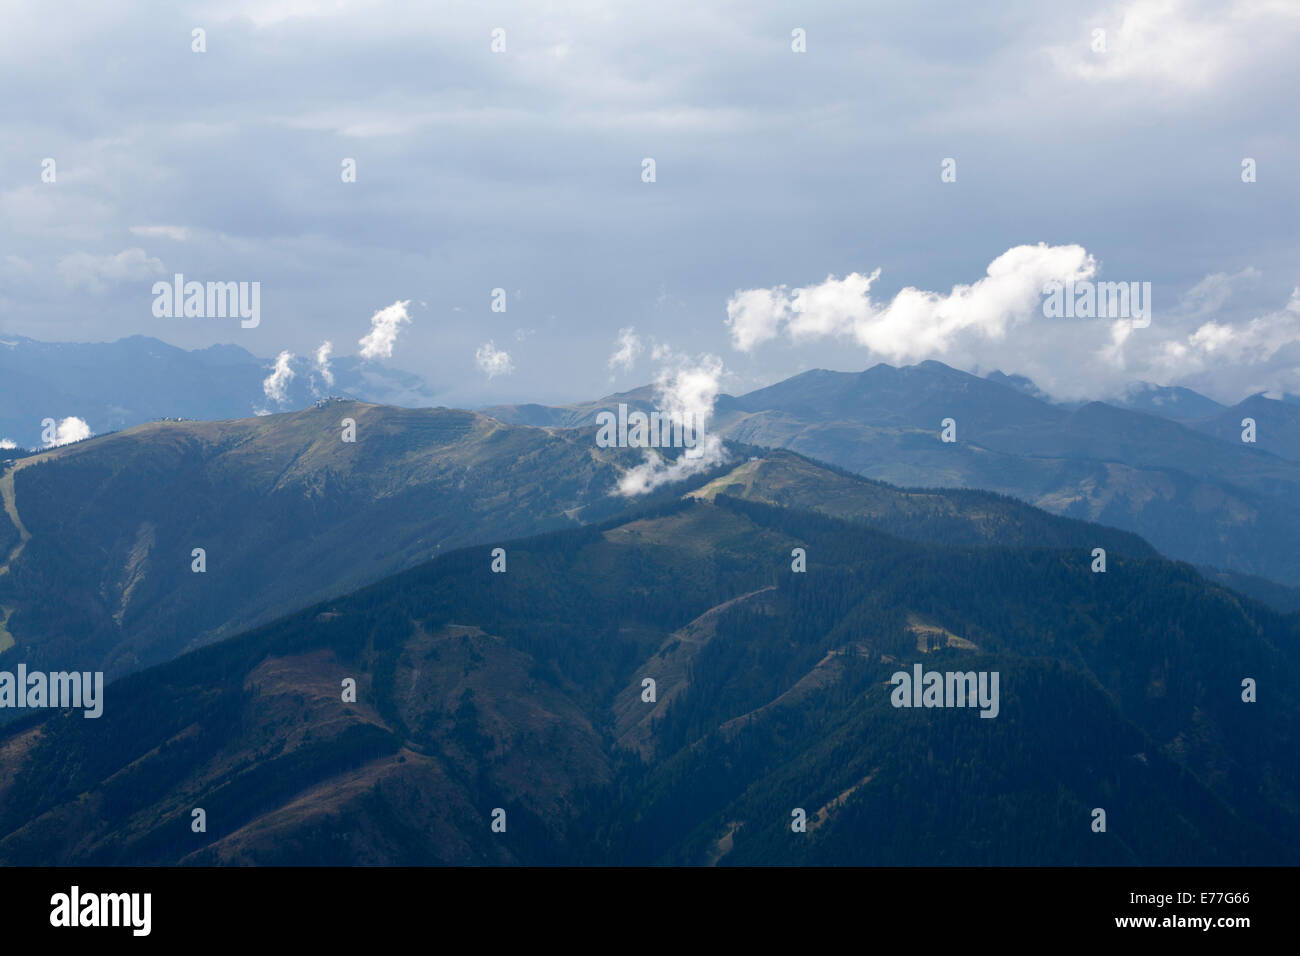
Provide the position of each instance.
(629, 347)
(493, 361)
(276, 384)
(384, 325)
(68, 430)
(685, 391)
(323, 363)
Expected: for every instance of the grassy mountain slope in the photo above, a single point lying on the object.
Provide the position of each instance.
(941, 516)
(287, 512)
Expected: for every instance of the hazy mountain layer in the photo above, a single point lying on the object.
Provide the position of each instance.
(115, 385)
(1193, 489)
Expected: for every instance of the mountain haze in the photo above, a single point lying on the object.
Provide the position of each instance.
(1192, 489)
(115, 385)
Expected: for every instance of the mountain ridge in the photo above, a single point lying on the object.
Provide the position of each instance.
(288, 513)
(479, 691)
(1191, 488)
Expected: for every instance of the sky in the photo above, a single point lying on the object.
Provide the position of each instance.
(901, 188)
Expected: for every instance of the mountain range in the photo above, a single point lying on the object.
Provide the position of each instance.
(521, 698)
(115, 385)
(403, 627)
(1194, 489)
(102, 534)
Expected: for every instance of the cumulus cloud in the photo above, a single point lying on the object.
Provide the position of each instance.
(685, 391)
(68, 430)
(276, 384)
(915, 324)
(1198, 343)
(1262, 353)
(1201, 339)
(493, 361)
(1175, 43)
(7, 443)
(384, 324)
(81, 269)
(755, 315)
(629, 347)
(323, 363)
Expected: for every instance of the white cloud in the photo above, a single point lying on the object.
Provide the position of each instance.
(1254, 342)
(1224, 357)
(685, 392)
(1176, 43)
(7, 443)
(915, 324)
(94, 272)
(755, 315)
(1202, 340)
(323, 363)
(278, 381)
(493, 361)
(68, 430)
(378, 342)
(629, 347)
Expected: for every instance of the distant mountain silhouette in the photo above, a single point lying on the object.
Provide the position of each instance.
(115, 385)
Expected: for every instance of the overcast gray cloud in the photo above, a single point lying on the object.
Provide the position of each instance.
(522, 170)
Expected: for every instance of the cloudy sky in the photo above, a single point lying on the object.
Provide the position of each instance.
(798, 217)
